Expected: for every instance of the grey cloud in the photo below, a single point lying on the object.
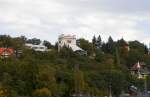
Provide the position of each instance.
(117, 6)
(47, 19)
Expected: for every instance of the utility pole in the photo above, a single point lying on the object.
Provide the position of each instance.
(110, 92)
(77, 91)
(145, 85)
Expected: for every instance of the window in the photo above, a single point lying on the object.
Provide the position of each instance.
(41, 47)
(68, 41)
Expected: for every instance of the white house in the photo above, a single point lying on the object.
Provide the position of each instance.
(70, 41)
(39, 47)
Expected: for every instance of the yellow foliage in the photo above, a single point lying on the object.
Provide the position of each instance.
(44, 92)
(3, 93)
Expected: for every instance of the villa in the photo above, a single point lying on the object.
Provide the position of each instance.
(6, 52)
(39, 47)
(69, 41)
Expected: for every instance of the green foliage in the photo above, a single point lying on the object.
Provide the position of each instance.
(34, 41)
(3, 92)
(109, 47)
(86, 45)
(44, 92)
(51, 74)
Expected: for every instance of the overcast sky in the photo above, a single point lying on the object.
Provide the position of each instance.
(46, 19)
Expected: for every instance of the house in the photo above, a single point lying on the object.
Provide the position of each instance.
(6, 52)
(138, 70)
(69, 41)
(135, 70)
(39, 47)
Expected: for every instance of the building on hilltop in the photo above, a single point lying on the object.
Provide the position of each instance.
(69, 41)
(6, 52)
(39, 47)
(138, 69)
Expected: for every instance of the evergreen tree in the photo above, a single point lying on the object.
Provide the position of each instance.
(110, 40)
(109, 47)
(51, 74)
(94, 40)
(47, 44)
(99, 42)
(146, 49)
(34, 41)
(121, 42)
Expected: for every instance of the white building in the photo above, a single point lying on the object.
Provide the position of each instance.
(70, 41)
(39, 47)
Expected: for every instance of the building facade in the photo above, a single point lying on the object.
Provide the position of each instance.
(68, 41)
(39, 47)
(6, 52)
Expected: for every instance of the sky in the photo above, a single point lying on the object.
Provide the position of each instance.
(47, 19)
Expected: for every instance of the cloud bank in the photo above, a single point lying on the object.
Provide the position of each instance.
(46, 19)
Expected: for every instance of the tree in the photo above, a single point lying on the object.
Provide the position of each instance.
(99, 42)
(146, 49)
(79, 80)
(34, 41)
(121, 42)
(47, 44)
(109, 47)
(46, 79)
(3, 93)
(94, 40)
(136, 45)
(43, 92)
(51, 74)
(66, 52)
(86, 45)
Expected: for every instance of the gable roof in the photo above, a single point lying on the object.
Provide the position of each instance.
(9, 51)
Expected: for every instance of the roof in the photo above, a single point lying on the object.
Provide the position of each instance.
(39, 47)
(136, 66)
(75, 47)
(28, 44)
(10, 51)
(33, 45)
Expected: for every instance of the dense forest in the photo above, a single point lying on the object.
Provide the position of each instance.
(60, 74)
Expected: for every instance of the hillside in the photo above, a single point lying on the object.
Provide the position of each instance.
(55, 74)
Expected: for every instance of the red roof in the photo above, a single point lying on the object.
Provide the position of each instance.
(9, 51)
